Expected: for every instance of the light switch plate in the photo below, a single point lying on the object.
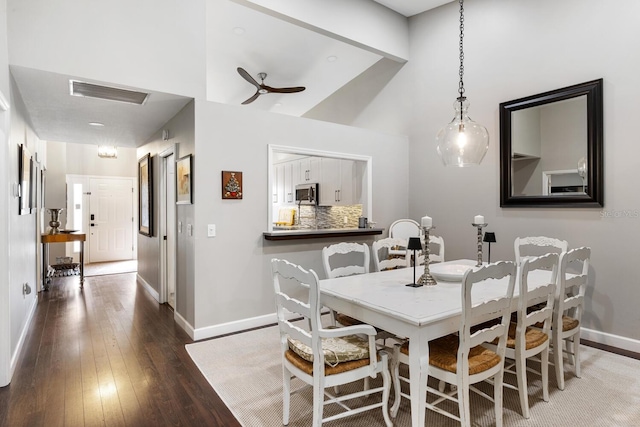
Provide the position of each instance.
(179, 226)
(211, 230)
(189, 230)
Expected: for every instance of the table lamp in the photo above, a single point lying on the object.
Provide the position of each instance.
(489, 237)
(414, 245)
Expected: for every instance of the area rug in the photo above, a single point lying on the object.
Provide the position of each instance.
(112, 267)
(245, 370)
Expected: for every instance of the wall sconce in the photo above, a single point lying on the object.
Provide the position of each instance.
(107, 151)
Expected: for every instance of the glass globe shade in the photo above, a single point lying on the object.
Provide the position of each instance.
(462, 142)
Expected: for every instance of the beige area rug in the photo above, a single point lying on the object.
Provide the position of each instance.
(112, 267)
(245, 371)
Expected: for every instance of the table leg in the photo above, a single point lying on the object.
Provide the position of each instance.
(45, 266)
(418, 351)
(81, 264)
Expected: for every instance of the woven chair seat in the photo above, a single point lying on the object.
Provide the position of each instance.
(533, 337)
(307, 366)
(569, 323)
(443, 354)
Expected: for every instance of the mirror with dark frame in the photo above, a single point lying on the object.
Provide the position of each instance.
(551, 148)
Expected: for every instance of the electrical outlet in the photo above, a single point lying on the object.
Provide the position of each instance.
(346, 220)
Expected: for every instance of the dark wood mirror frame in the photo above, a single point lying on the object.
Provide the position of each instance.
(595, 186)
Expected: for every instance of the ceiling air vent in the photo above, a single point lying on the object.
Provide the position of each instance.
(78, 88)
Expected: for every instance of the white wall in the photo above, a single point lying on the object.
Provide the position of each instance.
(232, 270)
(514, 49)
(5, 312)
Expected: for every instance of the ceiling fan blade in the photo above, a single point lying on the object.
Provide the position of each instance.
(284, 89)
(253, 98)
(248, 77)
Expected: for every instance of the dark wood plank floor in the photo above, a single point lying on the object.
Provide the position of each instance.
(108, 355)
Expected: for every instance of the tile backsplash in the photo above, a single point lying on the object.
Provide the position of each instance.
(330, 216)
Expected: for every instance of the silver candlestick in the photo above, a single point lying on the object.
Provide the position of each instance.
(479, 227)
(426, 278)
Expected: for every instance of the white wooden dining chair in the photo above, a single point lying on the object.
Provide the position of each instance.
(535, 308)
(461, 359)
(403, 229)
(383, 259)
(434, 256)
(323, 358)
(538, 245)
(345, 259)
(568, 308)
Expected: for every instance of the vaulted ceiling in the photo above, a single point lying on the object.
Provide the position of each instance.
(289, 53)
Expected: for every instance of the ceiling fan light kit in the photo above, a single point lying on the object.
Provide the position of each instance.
(263, 89)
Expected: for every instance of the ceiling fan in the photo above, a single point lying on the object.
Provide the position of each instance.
(263, 88)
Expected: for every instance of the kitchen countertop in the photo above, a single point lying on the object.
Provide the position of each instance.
(312, 233)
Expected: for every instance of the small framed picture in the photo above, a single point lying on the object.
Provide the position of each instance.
(145, 196)
(183, 181)
(231, 185)
(26, 184)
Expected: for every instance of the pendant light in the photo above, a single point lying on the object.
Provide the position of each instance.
(462, 142)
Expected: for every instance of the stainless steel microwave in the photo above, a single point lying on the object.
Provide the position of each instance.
(307, 194)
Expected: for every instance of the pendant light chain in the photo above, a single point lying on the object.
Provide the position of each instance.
(461, 46)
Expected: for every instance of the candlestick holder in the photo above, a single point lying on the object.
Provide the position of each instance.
(479, 227)
(426, 278)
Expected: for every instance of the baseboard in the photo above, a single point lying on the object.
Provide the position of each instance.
(182, 322)
(23, 335)
(147, 287)
(240, 326)
(610, 340)
(236, 326)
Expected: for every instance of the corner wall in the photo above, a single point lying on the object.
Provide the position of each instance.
(232, 280)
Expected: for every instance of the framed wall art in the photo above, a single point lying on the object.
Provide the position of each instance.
(145, 196)
(231, 185)
(24, 172)
(183, 181)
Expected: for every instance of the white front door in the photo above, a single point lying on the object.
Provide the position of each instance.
(111, 219)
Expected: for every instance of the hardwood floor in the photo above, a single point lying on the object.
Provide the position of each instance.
(108, 355)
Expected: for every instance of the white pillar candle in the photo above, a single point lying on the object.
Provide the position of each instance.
(478, 219)
(426, 221)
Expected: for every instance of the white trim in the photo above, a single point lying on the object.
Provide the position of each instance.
(182, 322)
(23, 336)
(147, 287)
(239, 325)
(616, 341)
(235, 326)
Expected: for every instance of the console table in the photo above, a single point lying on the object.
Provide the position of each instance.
(46, 239)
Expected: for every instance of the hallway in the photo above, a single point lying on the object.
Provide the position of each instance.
(108, 355)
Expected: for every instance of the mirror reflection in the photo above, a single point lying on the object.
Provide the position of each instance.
(551, 148)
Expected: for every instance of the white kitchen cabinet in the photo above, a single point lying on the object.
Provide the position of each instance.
(309, 169)
(278, 183)
(289, 184)
(337, 182)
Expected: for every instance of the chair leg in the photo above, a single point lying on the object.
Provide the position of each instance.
(464, 405)
(395, 376)
(386, 384)
(521, 374)
(286, 395)
(497, 397)
(318, 401)
(576, 353)
(558, 360)
(544, 365)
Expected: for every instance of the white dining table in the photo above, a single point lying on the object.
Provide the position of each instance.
(420, 314)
